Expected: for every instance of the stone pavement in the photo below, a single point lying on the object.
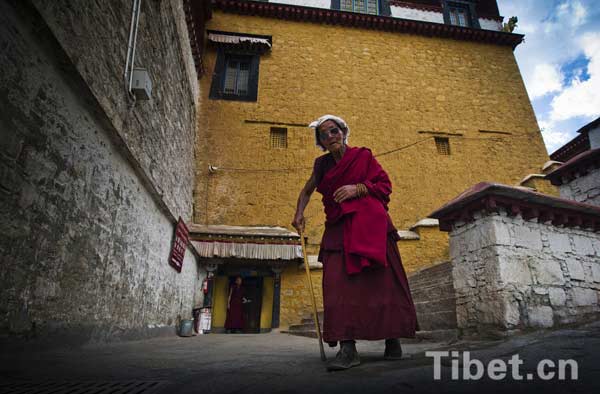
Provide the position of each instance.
(280, 363)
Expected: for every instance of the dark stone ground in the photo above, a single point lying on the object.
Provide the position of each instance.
(280, 363)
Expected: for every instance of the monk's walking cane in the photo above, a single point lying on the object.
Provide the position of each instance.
(312, 295)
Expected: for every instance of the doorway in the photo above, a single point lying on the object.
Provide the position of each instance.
(253, 290)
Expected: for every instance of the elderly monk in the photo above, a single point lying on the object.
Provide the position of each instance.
(365, 290)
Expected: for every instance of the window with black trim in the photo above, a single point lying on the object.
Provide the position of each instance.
(373, 7)
(235, 77)
(460, 13)
(278, 137)
(362, 6)
(443, 145)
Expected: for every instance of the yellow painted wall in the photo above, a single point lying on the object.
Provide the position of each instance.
(542, 186)
(389, 87)
(266, 311)
(431, 248)
(219, 312)
(295, 298)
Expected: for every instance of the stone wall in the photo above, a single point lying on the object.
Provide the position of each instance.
(514, 273)
(584, 188)
(85, 230)
(161, 132)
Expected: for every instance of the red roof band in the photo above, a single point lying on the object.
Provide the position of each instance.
(491, 197)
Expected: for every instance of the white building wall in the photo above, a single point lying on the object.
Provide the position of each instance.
(306, 3)
(418, 15)
(594, 136)
(490, 24)
(511, 273)
(584, 188)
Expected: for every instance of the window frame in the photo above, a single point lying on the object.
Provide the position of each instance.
(469, 6)
(366, 2)
(442, 145)
(219, 75)
(383, 7)
(283, 132)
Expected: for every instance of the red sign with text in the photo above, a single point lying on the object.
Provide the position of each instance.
(180, 241)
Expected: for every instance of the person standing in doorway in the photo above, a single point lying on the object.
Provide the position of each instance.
(235, 301)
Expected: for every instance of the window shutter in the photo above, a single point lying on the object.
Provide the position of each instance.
(474, 17)
(218, 75)
(446, 13)
(335, 4)
(384, 8)
(253, 83)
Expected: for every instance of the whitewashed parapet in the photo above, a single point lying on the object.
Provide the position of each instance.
(306, 3)
(422, 13)
(579, 178)
(522, 259)
(490, 24)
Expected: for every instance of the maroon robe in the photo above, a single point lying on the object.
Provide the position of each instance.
(365, 296)
(235, 313)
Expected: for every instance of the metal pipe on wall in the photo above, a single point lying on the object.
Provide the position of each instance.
(133, 29)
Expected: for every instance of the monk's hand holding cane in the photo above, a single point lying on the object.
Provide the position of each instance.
(299, 223)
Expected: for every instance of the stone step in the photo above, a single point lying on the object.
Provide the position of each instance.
(430, 280)
(433, 321)
(432, 294)
(309, 334)
(422, 278)
(433, 283)
(443, 335)
(427, 285)
(441, 267)
(441, 305)
(303, 327)
(447, 270)
(424, 274)
(310, 319)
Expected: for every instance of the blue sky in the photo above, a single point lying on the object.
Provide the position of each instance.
(560, 62)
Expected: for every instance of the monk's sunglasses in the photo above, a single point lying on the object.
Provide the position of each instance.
(323, 134)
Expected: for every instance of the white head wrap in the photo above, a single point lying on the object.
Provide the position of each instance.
(340, 122)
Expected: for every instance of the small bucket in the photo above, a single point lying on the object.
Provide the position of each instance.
(186, 328)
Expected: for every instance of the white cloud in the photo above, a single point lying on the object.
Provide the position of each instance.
(568, 13)
(547, 78)
(581, 98)
(579, 14)
(556, 34)
(553, 137)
